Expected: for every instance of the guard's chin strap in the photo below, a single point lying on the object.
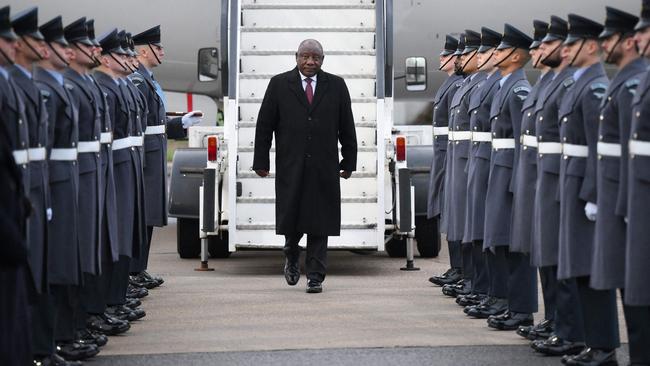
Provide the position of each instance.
(133, 69)
(549, 55)
(537, 61)
(118, 62)
(90, 56)
(582, 43)
(58, 54)
(486, 61)
(32, 48)
(645, 49)
(154, 53)
(446, 62)
(505, 58)
(609, 54)
(468, 60)
(10, 61)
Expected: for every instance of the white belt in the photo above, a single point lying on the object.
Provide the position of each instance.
(106, 137)
(481, 136)
(21, 156)
(160, 129)
(460, 135)
(529, 140)
(503, 143)
(437, 131)
(549, 148)
(137, 140)
(122, 143)
(638, 147)
(609, 149)
(37, 154)
(88, 146)
(577, 151)
(67, 154)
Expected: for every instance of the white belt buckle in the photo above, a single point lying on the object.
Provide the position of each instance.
(21, 156)
(37, 154)
(576, 151)
(137, 140)
(64, 154)
(503, 143)
(529, 140)
(609, 149)
(106, 137)
(481, 136)
(440, 131)
(88, 146)
(460, 135)
(549, 148)
(160, 129)
(122, 143)
(638, 147)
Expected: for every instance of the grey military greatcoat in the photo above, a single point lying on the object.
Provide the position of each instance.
(63, 243)
(89, 173)
(608, 263)
(525, 176)
(505, 119)
(458, 152)
(478, 164)
(637, 270)
(39, 186)
(578, 116)
(438, 163)
(546, 215)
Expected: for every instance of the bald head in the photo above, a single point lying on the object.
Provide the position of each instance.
(309, 57)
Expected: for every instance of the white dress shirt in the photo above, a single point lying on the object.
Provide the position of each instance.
(304, 83)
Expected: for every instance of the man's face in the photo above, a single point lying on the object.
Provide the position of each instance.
(83, 54)
(448, 64)
(469, 62)
(116, 67)
(612, 48)
(550, 53)
(535, 55)
(483, 59)
(458, 65)
(9, 49)
(33, 53)
(62, 57)
(503, 58)
(642, 39)
(309, 62)
(160, 52)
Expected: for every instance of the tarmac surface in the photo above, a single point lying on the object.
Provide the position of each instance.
(370, 313)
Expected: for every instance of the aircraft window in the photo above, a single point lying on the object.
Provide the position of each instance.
(208, 62)
(416, 73)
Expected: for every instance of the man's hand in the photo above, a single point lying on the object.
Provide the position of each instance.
(591, 210)
(192, 118)
(345, 174)
(262, 173)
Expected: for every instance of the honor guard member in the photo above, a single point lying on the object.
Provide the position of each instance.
(513, 268)
(526, 171)
(64, 243)
(459, 141)
(440, 134)
(158, 129)
(578, 114)
(15, 337)
(608, 263)
(478, 166)
(29, 50)
(92, 298)
(99, 320)
(637, 273)
(125, 166)
(454, 273)
(567, 336)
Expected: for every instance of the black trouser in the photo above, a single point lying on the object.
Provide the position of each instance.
(43, 313)
(119, 282)
(599, 315)
(548, 279)
(455, 256)
(481, 280)
(522, 284)
(316, 260)
(466, 260)
(66, 299)
(569, 323)
(497, 268)
(637, 319)
(142, 262)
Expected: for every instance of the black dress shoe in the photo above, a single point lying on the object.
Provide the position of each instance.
(592, 357)
(140, 281)
(493, 306)
(291, 272)
(136, 292)
(126, 313)
(462, 287)
(55, 360)
(314, 287)
(542, 330)
(132, 303)
(556, 346)
(471, 299)
(74, 351)
(85, 336)
(106, 324)
(510, 320)
(151, 277)
(452, 275)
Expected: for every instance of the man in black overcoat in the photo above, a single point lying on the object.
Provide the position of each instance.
(309, 112)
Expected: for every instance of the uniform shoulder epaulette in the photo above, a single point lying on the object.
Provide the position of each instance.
(568, 82)
(632, 83)
(136, 78)
(598, 89)
(45, 94)
(521, 92)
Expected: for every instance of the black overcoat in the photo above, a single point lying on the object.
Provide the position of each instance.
(307, 183)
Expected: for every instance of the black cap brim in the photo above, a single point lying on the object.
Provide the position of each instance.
(606, 33)
(95, 43)
(570, 39)
(504, 46)
(642, 24)
(36, 35)
(550, 37)
(61, 41)
(445, 53)
(468, 50)
(9, 35)
(484, 49)
(534, 45)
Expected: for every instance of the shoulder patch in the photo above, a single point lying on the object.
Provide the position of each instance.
(521, 92)
(69, 86)
(598, 89)
(568, 82)
(136, 78)
(45, 95)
